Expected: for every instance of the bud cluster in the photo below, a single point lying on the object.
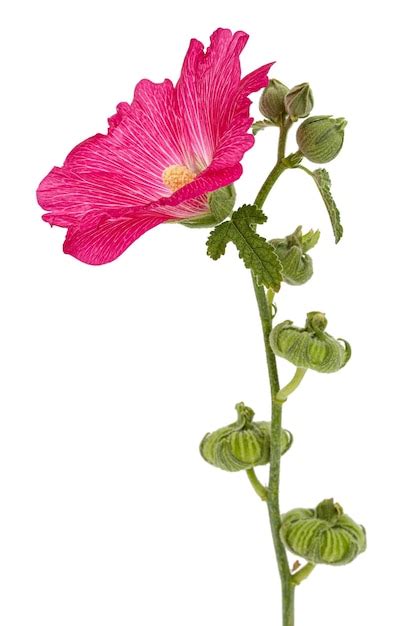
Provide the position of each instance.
(320, 138)
(278, 101)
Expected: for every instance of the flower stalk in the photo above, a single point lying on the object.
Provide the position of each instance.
(275, 458)
(257, 485)
(309, 347)
(303, 573)
(266, 318)
(285, 392)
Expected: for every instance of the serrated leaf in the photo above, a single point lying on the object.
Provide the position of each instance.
(323, 182)
(218, 240)
(258, 255)
(261, 125)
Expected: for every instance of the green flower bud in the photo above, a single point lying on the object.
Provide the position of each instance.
(272, 101)
(221, 203)
(320, 138)
(323, 535)
(299, 101)
(310, 347)
(241, 445)
(297, 266)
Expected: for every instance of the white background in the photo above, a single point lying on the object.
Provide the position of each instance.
(111, 375)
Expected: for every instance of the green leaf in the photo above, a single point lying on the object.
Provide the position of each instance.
(258, 255)
(261, 125)
(323, 182)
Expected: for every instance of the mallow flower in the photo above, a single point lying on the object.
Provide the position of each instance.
(162, 156)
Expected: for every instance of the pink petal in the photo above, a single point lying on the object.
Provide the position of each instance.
(105, 242)
(212, 97)
(211, 179)
(122, 109)
(121, 171)
(213, 101)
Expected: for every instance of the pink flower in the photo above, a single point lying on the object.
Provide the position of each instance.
(162, 156)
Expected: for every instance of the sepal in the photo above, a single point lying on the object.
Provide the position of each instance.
(221, 203)
(310, 239)
(293, 160)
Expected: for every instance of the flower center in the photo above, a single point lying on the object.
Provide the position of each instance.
(176, 176)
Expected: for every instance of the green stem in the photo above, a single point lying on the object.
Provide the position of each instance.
(265, 312)
(274, 479)
(303, 573)
(283, 137)
(278, 169)
(305, 169)
(258, 487)
(285, 392)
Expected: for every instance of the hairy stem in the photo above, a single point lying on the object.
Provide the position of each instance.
(258, 487)
(305, 169)
(303, 573)
(283, 137)
(267, 186)
(285, 392)
(265, 312)
(275, 456)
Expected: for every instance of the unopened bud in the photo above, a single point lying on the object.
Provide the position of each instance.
(320, 138)
(299, 101)
(272, 101)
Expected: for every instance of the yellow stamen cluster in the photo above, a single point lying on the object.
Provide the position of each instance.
(177, 176)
